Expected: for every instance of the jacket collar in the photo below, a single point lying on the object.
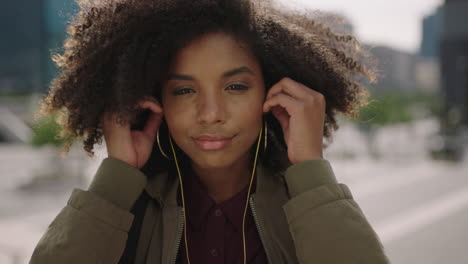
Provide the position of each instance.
(270, 190)
(163, 184)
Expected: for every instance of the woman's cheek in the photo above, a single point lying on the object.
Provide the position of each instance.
(175, 121)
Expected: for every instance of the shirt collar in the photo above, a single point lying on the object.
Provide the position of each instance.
(235, 206)
(199, 204)
(160, 186)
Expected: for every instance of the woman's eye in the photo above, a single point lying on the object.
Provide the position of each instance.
(182, 91)
(237, 87)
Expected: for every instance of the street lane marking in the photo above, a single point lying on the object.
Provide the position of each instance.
(422, 216)
(392, 182)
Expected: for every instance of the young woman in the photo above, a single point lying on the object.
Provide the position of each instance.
(213, 114)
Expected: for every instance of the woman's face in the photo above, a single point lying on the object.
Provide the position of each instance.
(215, 89)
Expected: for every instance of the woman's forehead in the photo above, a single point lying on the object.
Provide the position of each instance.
(216, 52)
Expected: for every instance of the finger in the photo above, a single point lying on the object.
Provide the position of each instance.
(287, 102)
(109, 121)
(290, 87)
(152, 99)
(152, 105)
(154, 119)
(152, 125)
(105, 118)
(281, 115)
(112, 130)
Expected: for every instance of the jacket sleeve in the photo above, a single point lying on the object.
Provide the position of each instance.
(94, 224)
(326, 223)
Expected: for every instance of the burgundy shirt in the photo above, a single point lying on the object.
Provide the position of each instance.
(214, 231)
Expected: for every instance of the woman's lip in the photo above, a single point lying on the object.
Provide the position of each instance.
(209, 143)
(209, 138)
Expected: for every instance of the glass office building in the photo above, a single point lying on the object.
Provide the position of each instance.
(29, 31)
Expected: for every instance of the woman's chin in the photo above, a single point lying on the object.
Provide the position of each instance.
(218, 161)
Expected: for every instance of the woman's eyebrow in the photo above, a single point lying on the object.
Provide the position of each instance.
(237, 71)
(227, 74)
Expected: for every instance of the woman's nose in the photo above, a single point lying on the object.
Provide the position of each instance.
(211, 109)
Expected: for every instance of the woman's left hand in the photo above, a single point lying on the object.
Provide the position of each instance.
(301, 114)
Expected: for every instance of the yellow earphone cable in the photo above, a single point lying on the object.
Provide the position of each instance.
(246, 202)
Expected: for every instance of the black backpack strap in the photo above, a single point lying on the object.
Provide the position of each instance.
(138, 210)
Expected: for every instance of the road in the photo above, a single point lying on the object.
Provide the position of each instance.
(418, 207)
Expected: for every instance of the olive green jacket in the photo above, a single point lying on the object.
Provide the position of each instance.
(304, 216)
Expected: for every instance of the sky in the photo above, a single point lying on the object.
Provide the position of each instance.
(394, 23)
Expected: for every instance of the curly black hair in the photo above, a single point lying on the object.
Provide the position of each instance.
(118, 52)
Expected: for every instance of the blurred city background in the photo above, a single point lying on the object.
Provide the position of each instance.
(404, 158)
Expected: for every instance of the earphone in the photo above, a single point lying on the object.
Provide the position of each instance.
(246, 203)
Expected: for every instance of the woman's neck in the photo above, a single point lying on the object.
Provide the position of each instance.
(223, 183)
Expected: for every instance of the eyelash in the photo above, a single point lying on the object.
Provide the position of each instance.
(181, 90)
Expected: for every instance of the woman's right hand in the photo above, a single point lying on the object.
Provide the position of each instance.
(132, 146)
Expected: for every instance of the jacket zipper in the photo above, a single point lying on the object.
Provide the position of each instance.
(254, 213)
(260, 231)
(180, 217)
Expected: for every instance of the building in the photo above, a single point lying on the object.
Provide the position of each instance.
(405, 72)
(453, 50)
(431, 32)
(454, 61)
(20, 59)
(30, 30)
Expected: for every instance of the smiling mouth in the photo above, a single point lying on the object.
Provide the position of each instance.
(212, 143)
